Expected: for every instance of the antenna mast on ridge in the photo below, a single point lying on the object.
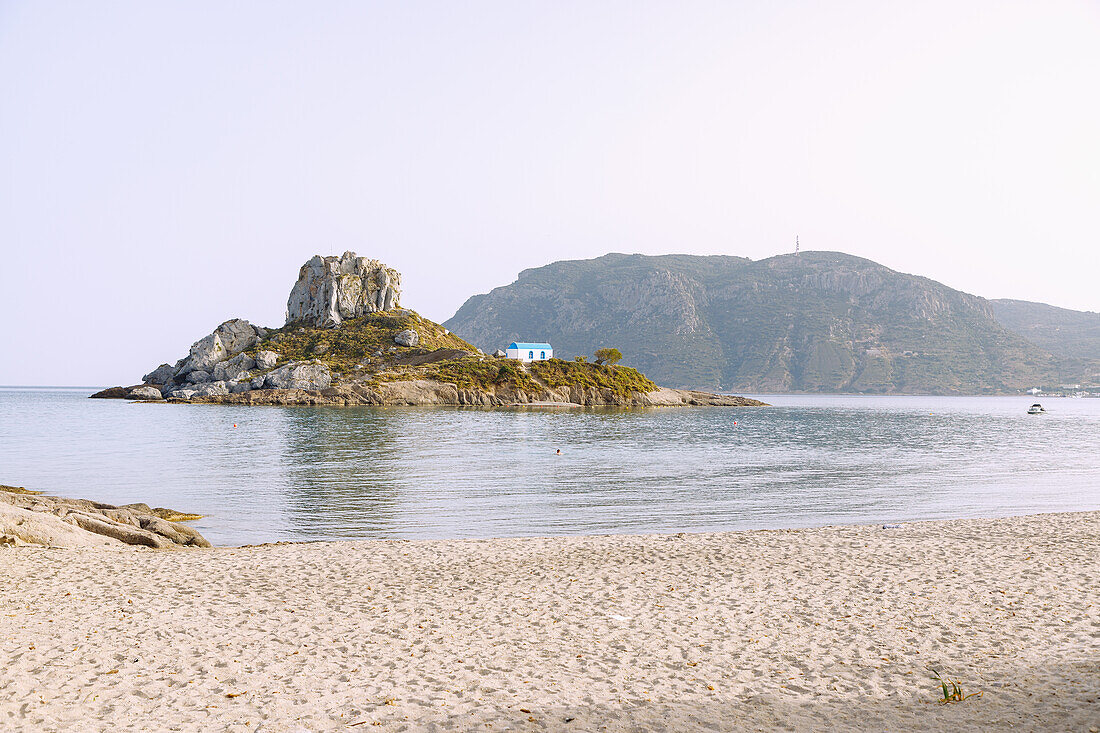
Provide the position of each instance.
(796, 244)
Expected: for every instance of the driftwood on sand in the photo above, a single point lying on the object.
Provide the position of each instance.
(30, 518)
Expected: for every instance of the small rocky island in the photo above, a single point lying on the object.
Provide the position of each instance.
(348, 341)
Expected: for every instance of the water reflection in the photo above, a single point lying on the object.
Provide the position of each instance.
(343, 473)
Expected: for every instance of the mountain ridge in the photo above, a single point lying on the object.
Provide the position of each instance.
(808, 322)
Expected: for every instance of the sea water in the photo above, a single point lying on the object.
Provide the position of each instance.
(263, 474)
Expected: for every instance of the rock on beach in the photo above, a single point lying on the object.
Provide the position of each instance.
(30, 518)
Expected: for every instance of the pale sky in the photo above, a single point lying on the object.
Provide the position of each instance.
(166, 166)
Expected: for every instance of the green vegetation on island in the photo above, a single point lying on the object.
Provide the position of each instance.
(364, 349)
(349, 347)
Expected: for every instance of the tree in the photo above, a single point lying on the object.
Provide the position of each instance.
(581, 359)
(608, 356)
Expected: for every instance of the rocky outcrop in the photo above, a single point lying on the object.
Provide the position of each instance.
(228, 339)
(417, 392)
(215, 365)
(161, 374)
(144, 393)
(213, 358)
(312, 375)
(28, 518)
(666, 397)
(408, 337)
(232, 369)
(266, 359)
(206, 389)
(211, 389)
(331, 289)
(328, 290)
(114, 393)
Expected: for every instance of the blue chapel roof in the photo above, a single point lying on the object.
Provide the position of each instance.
(525, 345)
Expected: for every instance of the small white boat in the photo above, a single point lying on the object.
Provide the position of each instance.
(1035, 409)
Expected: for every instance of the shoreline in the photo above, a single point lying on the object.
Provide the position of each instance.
(831, 627)
(889, 526)
(429, 392)
(20, 497)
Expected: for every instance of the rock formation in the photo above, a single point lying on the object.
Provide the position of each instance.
(228, 339)
(300, 375)
(266, 359)
(331, 289)
(28, 518)
(408, 337)
(347, 343)
(215, 365)
(328, 290)
(161, 374)
(145, 393)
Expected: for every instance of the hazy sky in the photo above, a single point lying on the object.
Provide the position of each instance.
(164, 167)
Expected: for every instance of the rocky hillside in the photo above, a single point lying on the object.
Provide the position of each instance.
(1065, 333)
(813, 322)
(347, 341)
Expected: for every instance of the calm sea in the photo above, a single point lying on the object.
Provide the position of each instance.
(264, 474)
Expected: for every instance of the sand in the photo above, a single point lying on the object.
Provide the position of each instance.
(833, 628)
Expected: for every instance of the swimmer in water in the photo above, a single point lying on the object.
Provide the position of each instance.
(559, 452)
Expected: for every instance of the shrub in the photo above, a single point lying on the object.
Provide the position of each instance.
(621, 380)
(475, 373)
(608, 356)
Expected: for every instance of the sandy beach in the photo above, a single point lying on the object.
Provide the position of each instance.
(836, 627)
